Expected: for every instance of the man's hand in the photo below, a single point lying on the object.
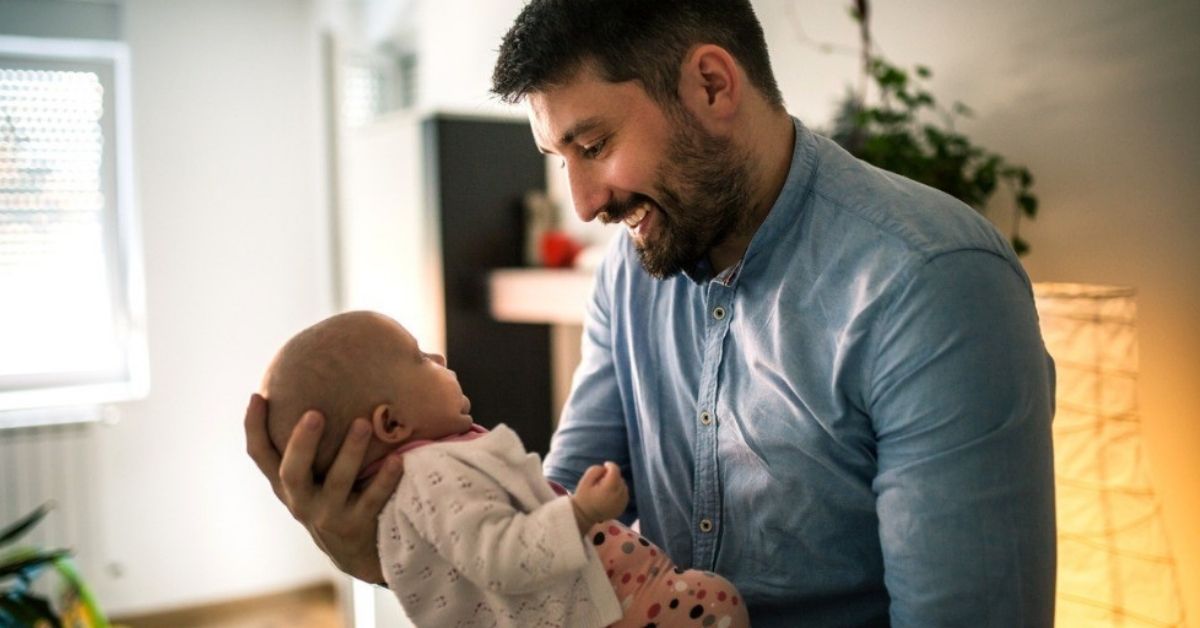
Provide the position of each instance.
(600, 495)
(341, 522)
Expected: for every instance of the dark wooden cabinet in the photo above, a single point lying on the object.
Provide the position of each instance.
(478, 171)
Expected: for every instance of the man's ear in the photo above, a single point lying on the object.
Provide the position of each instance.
(388, 425)
(711, 86)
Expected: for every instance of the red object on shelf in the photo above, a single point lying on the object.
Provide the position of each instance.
(558, 250)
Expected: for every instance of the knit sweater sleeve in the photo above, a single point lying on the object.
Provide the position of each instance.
(470, 520)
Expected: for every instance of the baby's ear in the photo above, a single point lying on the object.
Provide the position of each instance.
(388, 426)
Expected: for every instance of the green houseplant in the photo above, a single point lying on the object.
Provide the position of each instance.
(21, 567)
(903, 129)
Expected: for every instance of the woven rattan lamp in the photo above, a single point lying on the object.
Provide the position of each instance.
(1115, 567)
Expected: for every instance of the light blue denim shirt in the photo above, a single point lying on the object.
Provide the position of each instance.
(852, 423)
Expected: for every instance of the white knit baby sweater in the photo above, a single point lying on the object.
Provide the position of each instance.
(475, 537)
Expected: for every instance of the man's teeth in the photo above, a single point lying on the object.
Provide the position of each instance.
(636, 217)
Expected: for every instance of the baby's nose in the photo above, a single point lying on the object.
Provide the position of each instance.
(439, 358)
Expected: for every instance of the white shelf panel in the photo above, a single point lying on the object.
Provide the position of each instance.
(537, 295)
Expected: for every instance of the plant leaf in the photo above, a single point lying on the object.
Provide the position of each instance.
(1019, 245)
(1028, 204)
(985, 178)
(66, 568)
(14, 531)
(28, 610)
(14, 613)
(893, 135)
(28, 564)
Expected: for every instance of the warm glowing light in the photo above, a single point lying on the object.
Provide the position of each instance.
(1115, 567)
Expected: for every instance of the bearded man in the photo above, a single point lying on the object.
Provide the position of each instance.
(821, 380)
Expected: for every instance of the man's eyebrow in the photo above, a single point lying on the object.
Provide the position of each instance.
(581, 127)
(577, 129)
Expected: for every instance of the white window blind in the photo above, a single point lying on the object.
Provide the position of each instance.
(72, 330)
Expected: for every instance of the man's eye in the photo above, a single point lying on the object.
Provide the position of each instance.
(591, 152)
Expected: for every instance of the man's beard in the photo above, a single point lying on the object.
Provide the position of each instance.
(704, 188)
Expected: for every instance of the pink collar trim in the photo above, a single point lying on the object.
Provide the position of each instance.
(473, 432)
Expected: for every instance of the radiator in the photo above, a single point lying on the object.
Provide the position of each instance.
(54, 463)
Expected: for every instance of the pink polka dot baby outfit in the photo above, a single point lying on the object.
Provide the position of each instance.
(654, 592)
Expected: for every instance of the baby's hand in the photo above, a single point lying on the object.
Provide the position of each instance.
(600, 495)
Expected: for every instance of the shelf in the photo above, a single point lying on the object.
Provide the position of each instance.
(539, 295)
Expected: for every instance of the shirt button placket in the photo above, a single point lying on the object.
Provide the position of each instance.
(706, 504)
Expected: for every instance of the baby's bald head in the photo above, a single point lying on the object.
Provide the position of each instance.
(337, 367)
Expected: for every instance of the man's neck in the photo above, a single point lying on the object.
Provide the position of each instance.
(770, 143)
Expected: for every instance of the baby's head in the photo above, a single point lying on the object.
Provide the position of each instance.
(362, 364)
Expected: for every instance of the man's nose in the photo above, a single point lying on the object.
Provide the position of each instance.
(587, 194)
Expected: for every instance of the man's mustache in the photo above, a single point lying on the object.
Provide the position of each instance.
(617, 211)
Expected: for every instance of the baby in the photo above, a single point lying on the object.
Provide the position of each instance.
(474, 534)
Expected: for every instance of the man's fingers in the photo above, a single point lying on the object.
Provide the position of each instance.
(295, 470)
(381, 487)
(258, 442)
(339, 481)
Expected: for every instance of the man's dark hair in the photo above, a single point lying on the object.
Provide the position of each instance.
(644, 40)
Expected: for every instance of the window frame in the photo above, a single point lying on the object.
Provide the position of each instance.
(78, 399)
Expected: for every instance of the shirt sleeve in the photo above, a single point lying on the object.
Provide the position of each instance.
(592, 427)
(469, 519)
(961, 399)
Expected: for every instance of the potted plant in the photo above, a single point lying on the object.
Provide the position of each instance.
(21, 567)
(903, 129)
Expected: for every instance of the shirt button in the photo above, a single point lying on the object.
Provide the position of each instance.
(718, 312)
(706, 418)
(706, 525)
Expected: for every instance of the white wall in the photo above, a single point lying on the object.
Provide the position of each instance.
(1097, 97)
(230, 185)
(388, 237)
(456, 47)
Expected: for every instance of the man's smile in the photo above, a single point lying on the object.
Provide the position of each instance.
(638, 220)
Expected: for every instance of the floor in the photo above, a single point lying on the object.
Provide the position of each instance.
(311, 607)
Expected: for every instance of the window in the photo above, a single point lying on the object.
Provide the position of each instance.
(72, 324)
(375, 83)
